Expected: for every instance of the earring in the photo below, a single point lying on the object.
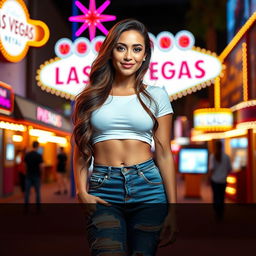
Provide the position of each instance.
(144, 59)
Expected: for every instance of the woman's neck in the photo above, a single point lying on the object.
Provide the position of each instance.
(125, 83)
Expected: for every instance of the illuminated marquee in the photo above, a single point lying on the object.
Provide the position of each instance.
(213, 119)
(175, 64)
(6, 98)
(18, 32)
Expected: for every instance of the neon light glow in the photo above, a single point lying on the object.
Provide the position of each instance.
(12, 126)
(18, 32)
(48, 117)
(231, 180)
(17, 138)
(217, 135)
(245, 72)
(213, 119)
(52, 139)
(230, 190)
(6, 98)
(92, 18)
(176, 64)
(40, 133)
(244, 104)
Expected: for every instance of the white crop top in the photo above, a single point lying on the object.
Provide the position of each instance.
(123, 117)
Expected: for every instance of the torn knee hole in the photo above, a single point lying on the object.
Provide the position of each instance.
(106, 221)
(107, 244)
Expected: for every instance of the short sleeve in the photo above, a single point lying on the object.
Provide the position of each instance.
(164, 105)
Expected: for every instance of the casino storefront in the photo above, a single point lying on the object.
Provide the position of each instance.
(234, 117)
(22, 122)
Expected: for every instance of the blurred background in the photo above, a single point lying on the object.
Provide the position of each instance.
(213, 92)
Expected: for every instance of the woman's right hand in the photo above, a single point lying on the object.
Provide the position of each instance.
(89, 202)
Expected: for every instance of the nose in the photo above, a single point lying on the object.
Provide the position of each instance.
(128, 55)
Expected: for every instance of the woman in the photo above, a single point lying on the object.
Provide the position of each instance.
(115, 117)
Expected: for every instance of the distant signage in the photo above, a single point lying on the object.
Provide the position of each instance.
(175, 64)
(48, 117)
(18, 32)
(6, 98)
(219, 119)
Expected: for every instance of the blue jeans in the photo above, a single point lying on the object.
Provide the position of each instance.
(29, 182)
(133, 223)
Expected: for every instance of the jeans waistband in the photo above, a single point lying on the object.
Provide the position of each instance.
(120, 168)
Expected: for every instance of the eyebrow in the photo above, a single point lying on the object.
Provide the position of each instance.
(132, 45)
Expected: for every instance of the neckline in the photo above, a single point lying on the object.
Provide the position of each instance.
(126, 95)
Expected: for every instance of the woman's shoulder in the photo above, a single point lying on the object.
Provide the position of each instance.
(157, 91)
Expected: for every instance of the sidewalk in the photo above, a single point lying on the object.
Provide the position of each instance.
(48, 196)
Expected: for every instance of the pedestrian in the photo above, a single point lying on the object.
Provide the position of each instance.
(61, 172)
(34, 165)
(128, 194)
(219, 168)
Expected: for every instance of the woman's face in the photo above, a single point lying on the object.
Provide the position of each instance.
(128, 53)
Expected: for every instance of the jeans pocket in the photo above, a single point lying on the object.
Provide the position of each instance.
(151, 176)
(97, 180)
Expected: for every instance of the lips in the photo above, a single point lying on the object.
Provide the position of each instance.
(127, 65)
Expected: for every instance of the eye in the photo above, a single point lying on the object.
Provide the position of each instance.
(137, 49)
(120, 48)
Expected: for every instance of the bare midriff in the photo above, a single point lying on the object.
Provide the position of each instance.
(121, 152)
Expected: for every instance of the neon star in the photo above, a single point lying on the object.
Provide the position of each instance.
(92, 18)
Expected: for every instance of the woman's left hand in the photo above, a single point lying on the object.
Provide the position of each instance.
(169, 230)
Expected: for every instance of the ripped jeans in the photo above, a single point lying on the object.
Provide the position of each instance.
(132, 225)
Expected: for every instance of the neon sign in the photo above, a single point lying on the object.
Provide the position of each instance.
(6, 98)
(18, 32)
(48, 117)
(213, 119)
(92, 18)
(176, 64)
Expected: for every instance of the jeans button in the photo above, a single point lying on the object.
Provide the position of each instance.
(125, 169)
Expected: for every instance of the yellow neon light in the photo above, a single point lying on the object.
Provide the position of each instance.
(53, 139)
(213, 111)
(247, 125)
(237, 37)
(245, 104)
(12, 126)
(17, 138)
(217, 92)
(245, 72)
(42, 35)
(40, 133)
(231, 180)
(218, 135)
(230, 190)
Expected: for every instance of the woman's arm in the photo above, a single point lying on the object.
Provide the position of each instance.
(80, 172)
(164, 158)
(80, 175)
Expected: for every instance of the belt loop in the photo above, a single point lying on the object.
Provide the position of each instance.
(137, 166)
(109, 171)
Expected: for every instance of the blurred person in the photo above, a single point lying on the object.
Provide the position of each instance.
(219, 168)
(21, 168)
(34, 165)
(61, 172)
(128, 195)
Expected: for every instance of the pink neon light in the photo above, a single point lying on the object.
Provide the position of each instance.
(92, 18)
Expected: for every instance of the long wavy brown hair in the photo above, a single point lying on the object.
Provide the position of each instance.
(101, 78)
